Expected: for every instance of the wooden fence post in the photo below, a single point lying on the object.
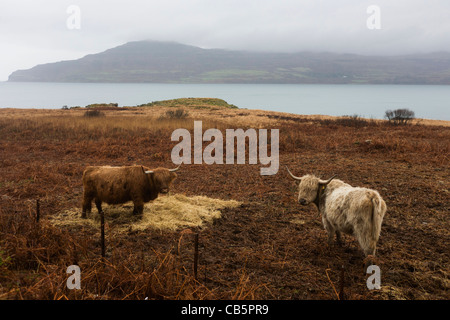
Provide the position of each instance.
(102, 232)
(38, 211)
(341, 284)
(195, 255)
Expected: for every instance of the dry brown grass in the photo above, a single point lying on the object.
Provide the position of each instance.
(166, 213)
(266, 248)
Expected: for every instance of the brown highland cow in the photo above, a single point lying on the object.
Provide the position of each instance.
(116, 185)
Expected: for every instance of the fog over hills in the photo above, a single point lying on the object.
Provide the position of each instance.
(170, 62)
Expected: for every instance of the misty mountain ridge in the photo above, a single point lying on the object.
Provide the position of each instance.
(170, 62)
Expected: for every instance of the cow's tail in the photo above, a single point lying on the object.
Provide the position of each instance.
(378, 211)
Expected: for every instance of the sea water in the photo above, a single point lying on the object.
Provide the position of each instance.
(370, 101)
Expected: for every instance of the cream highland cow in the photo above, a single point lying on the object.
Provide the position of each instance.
(352, 210)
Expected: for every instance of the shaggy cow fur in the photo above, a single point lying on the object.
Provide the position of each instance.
(115, 185)
(352, 210)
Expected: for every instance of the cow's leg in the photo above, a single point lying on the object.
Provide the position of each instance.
(329, 229)
(338, 237)
(87, 206)
(138, 207)
(98, 204)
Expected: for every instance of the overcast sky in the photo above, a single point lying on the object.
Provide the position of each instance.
(35, 32)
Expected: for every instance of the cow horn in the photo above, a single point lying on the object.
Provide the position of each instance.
(143, 170)
(294, 177)
(148, 171)
(173, 170)
(327, 181)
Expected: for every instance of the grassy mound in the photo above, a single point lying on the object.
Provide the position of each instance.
(199, 103)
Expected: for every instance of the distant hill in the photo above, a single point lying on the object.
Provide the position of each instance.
(169, 62)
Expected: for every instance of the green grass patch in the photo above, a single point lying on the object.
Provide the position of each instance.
(199, 103)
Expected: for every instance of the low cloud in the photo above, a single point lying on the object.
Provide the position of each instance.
(34, 32)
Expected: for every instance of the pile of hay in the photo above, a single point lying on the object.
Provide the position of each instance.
(164, 213)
